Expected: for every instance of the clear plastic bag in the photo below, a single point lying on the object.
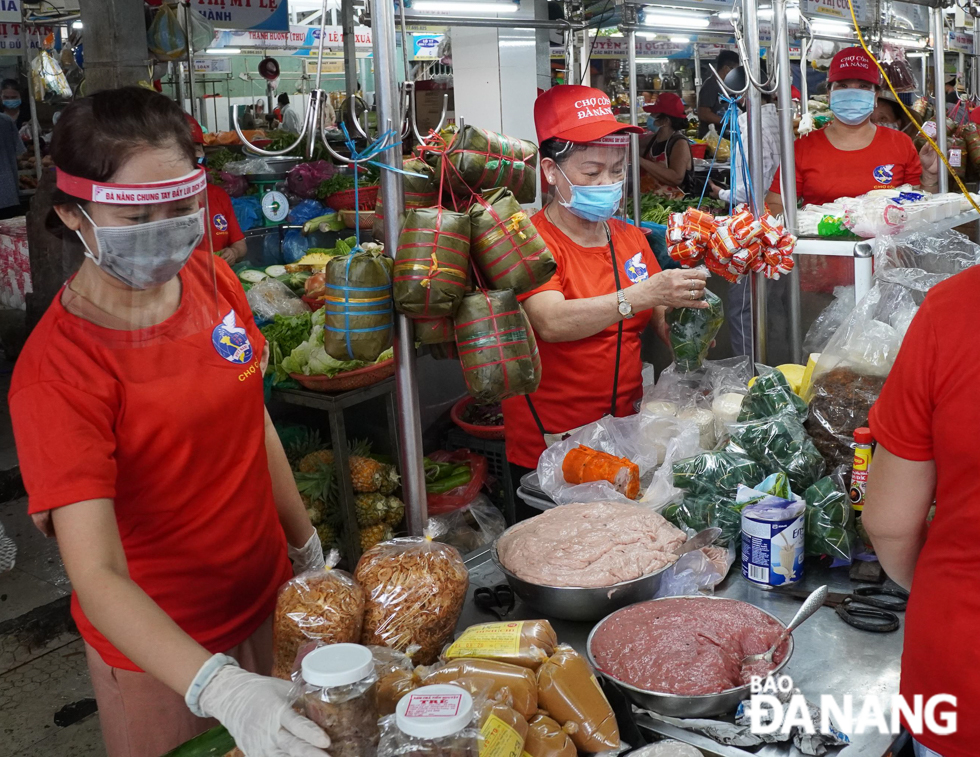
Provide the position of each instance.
(692, 330)
(822, 330)
(676, 389)
(414, 590)
(498, 679)
(461, 742)
(526, 643)
(202, 33)
(236, 186)
(661, 492)
(48, 78)
(829, 519)
(697, 572)
(547, 738)
(321, 606)
(696, 513)
(716, 474)
(779, 444)
(769, 395)
(944, 252)
(473, 525)
(270, 298)
(166, 38)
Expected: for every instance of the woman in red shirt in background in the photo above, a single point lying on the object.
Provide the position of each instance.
(852, 156)
(608, 287)
(224, 236)
(145, 445)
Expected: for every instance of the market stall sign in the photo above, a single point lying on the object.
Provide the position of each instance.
(615, 47)
(333, 66)
(265, 15)
(426, 46)
(835, 9)
(10, 37)
(301, 38)
(960, 42)
(212, 65)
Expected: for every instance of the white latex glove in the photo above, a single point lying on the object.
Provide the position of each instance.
(308, 557)
(255, 710)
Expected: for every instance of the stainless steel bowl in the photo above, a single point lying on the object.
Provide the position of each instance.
(680, 705)
(575, 603)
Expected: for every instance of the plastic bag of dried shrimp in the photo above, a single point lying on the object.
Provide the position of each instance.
(414, 590)
(320, 606)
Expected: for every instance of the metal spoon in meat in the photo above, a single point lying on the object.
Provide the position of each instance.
(810, 605)
(701, 539)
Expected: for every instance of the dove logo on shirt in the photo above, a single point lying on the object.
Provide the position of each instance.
(231, 341)
(220, 222)
(636, 269)
(884, 174)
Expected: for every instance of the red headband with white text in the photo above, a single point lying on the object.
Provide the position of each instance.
(133, 194)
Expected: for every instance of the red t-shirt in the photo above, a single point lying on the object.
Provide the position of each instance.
(172, 430)
(223, 226)
(824, 173)
(928, 410)
(577, 377)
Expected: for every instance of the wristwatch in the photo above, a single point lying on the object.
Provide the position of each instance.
(625, 308)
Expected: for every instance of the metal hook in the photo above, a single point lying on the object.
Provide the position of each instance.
(770, 85)
(347, 161)
(733, 93)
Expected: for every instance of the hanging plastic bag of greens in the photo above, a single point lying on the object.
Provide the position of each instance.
(692, 330)
(166, 38)
(202, 33)
(505, 246)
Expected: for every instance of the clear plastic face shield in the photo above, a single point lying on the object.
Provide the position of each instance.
(590, 180)
(146, 271)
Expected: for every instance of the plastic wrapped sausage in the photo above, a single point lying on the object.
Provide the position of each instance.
(518, 681)
(503, 729)
(570, 693)
(527, 643)
(545, 738)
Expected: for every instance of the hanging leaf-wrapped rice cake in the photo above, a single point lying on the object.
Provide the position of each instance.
(358, 313)
(432, 262)
(479, 159)
(434, 330)
(493, 346)
(505, 246)
(420, 192)
(532, 344)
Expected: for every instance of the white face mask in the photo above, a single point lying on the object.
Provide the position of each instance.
(145, 255)
(891, 125)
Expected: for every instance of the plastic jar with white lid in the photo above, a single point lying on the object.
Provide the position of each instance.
(338, 691)
(432, 721)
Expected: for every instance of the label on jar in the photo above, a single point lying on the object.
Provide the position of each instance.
(500, 740)
(422, 705)
(929, 128)
(956, 158)
(488, 640)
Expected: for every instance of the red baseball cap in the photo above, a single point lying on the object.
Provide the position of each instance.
(576, 114)
(197, 134)
(796, 94)
(853, 63)
(667, 103)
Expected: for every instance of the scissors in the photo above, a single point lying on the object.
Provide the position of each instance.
(867, 608)
(498, 600)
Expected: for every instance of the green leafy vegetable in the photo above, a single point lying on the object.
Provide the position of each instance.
(770, 394)
(692, 331)
(715, 474)
(218, 159)
(311, 359)
(780, 445)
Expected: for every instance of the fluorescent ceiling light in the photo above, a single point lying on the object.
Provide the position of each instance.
(76, 25)
(223, 50)
(652, 60)
(831, 27)
(680, 40)
(673, 19)
(904, 42)
(464, 7)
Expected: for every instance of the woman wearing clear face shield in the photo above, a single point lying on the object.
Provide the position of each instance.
(608, 287)
(146, 449)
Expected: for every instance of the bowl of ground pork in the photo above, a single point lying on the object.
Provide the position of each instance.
(583, 561)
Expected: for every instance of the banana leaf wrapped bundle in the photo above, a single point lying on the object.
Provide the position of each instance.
(479, 159)
(780, 445)
(770, 395)
(420, 192)
(358, 314)
(505, 246)
(493, 346)
(432, 262)
(434, 330)
(532, 342)
(699, 513)
(716, 474)
(830, 528)
(692, 331)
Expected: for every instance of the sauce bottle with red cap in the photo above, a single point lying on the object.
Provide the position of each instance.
(859, 478)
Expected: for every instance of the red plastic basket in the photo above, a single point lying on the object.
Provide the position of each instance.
(699, 150)
(344, 382)
(367, 197)
(480, 432)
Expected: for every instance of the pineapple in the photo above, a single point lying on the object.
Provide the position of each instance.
(370, 509)
(369, 475)
(394, 511)
(312, 461)
(327, 534)
(375, 535)
(301, 445)
(318, 490)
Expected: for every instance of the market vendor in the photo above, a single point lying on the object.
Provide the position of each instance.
(608, 287)
(852, 156)
(222, 236)
(146, 449)
(711, 108)
(666, 154)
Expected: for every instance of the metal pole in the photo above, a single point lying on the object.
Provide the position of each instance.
(350, 51)
(26, 42)
(975, 61)
(697, 67)
(388, 101)
(787, 162)
(750, 28)
(925, 75)
(190, 62)
(634, 116)
(939, 79)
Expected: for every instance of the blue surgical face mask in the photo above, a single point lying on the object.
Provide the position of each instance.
(852, 106)
(595, 202)
(11, 104)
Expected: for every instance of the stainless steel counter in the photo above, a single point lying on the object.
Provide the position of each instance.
(831, 657)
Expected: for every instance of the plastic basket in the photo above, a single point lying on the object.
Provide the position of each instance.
(344, 382)
(351, 218)
(501, 487)
(481, 432)
(367, 197)
(699, 150)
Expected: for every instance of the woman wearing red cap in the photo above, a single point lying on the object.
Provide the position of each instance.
(608, 287)
(666, 157)
(224, 236)
(852, 156)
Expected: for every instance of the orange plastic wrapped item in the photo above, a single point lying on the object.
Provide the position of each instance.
(701, 219)
(414, 590)
(685, 251)
(771, 230)
(675, 228)
(546, 738)
(583, 465)
(503, 678)
(527, 643)
(744, 227)
(503, 729)
(725, 271)
(569, 692)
